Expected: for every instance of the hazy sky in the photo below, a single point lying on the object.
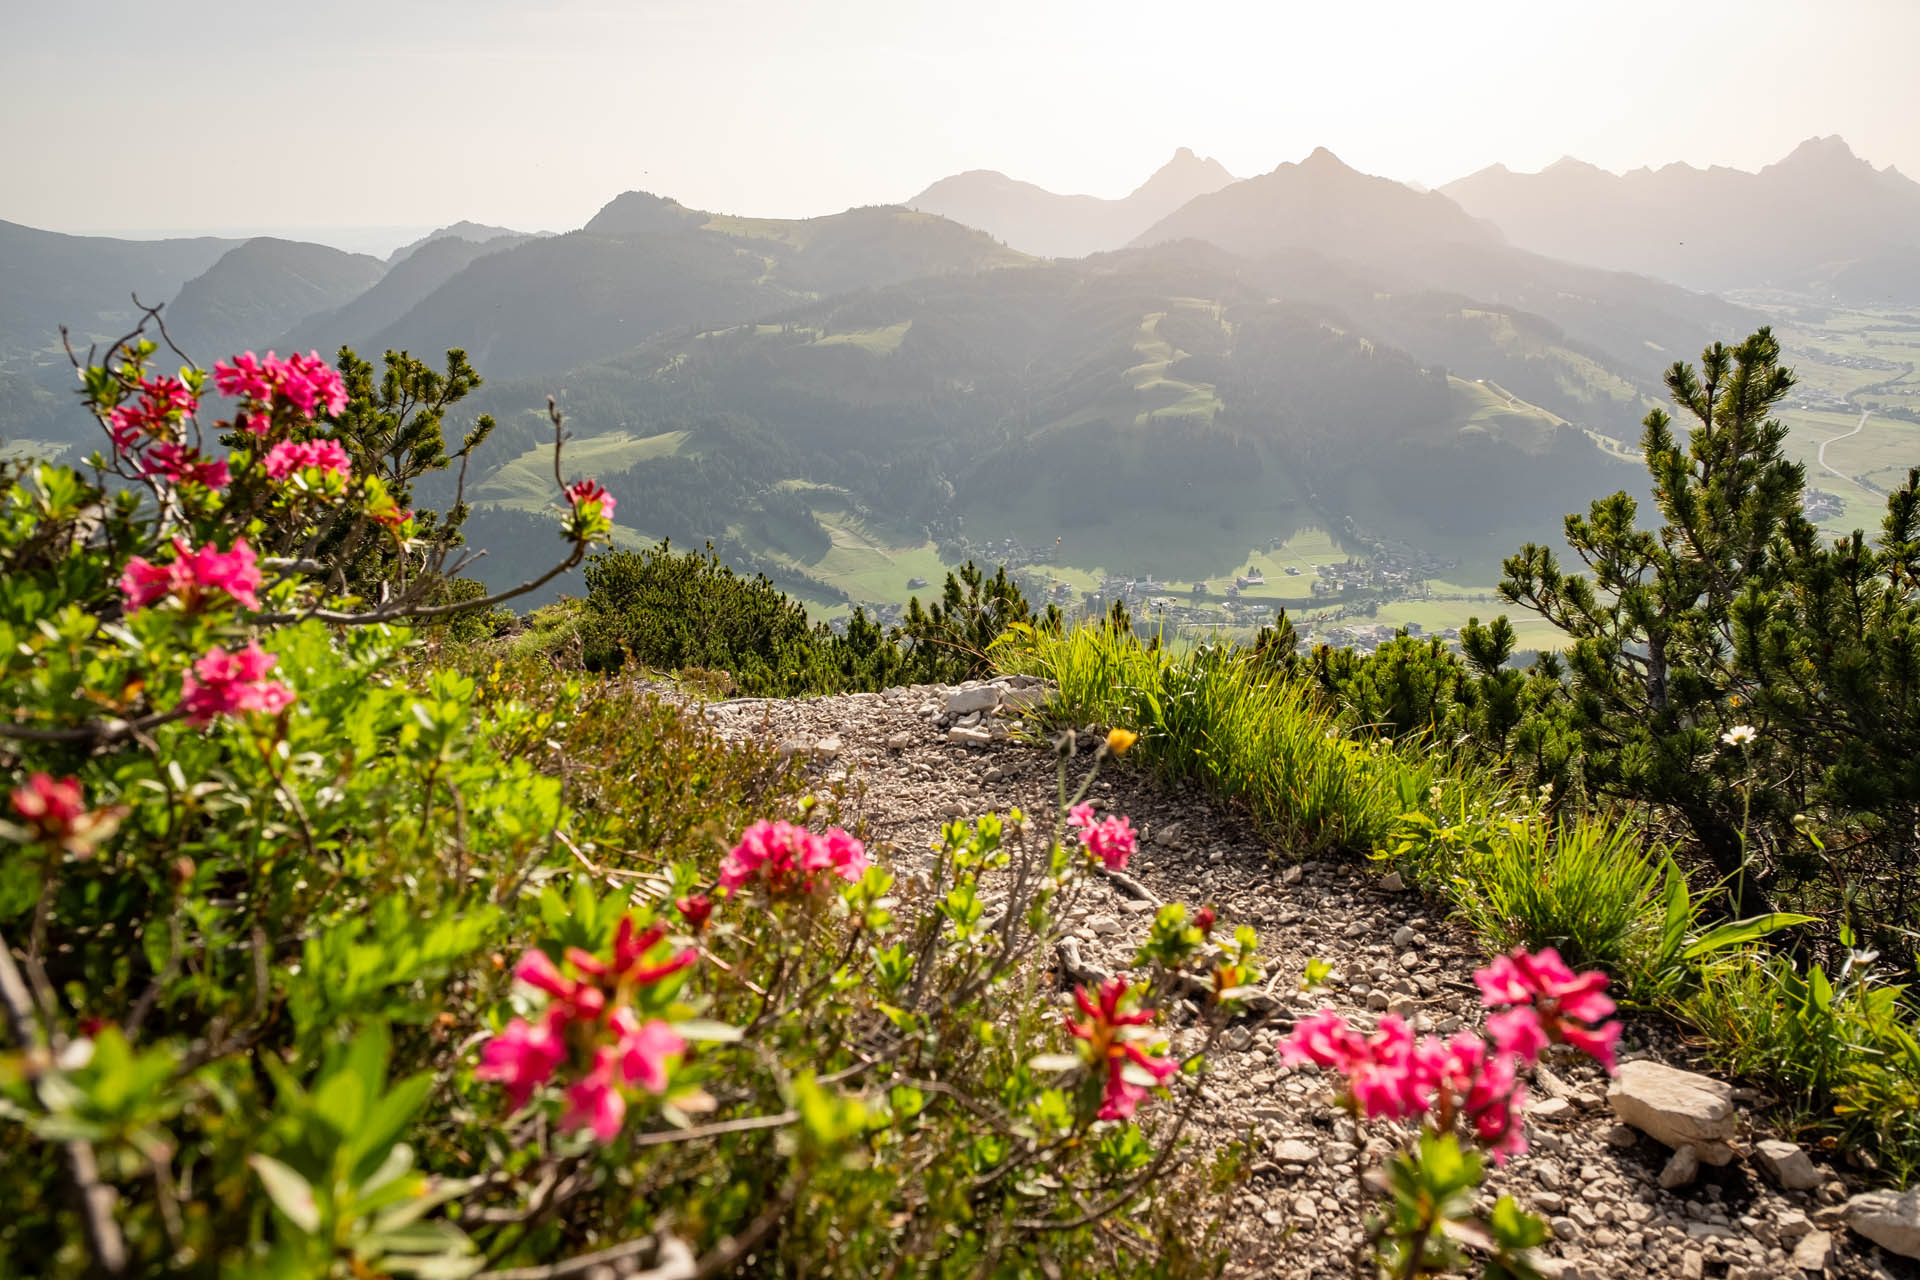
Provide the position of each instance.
(533, 115)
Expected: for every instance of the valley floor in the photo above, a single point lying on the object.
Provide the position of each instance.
(1594, 1180)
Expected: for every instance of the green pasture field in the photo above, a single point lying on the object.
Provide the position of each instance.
(526, 483)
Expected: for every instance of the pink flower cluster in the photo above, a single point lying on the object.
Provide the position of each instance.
(184, 464)
(589, 1021)
(1392, 1075)
(290, 456)
(224, 684)
(193, 577)
(1111, 839)
(50, 805)
(1111, 1046)
(158, 404)
(307, 384)
(581, 492)
(1550, 1005)
(787, 857)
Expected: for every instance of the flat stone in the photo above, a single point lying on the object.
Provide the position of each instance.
(984, 697)
(828, 747)
(1814, 1252)
(1294, 1151)
(969, 737)
(1791, 1224)
(899, 741)
(1786, 1164)
(1890, 1219)
(1103, 926)
(1682, 1168)
(1675, 1107)
(1550, 1109)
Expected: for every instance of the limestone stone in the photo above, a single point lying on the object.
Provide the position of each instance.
(1814, 1251)
(982, 697)
(1675, 1107)
(1890, 1219)
(1786, 1164)
(1683, 1166)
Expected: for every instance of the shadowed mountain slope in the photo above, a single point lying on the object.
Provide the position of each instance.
(259, 291)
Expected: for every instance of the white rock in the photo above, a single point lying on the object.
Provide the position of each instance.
(1103, 926)
(1550, 1109)
(1889, 1219)
(1682, 1168)
(1403, 937)
(1167, 836)
(1392, 883)
(969, 737)
(984, 697)
(1294, 1151)
(1015, 700)
(1786, 1164)
(1291, 875)
(1791, 1224)
(1678, 1108)
(827, 748)
(1814, 1251)
(900, 741)
(795, 747)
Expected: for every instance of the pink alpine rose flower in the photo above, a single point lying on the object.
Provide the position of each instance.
(525, 1055)
(786, 857)
(647, 1052)
(1111, 840)
(223, 684)
(193, 576)
(1110, 1044)
(183, 464)
(289, 456)
(1566, 1008)
(306, 384)
(582, 492)
(594, 1101)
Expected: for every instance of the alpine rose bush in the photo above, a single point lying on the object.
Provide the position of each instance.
(1461, 1084)
(347, 951)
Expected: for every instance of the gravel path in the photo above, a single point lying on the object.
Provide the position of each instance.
(1594, 1179)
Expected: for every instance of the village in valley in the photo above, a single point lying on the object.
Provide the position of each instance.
(1329, 603)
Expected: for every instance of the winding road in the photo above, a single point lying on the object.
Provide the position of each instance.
(1857, 429)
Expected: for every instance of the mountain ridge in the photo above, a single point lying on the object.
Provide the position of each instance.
(1821, 219)
(1047, 224)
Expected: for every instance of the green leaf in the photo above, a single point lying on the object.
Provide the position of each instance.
(291, 1193)
(709, 1030)
(1513, 1227)
(1738, 933)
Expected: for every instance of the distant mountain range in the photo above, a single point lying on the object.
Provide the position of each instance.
(1820, 221)
(1311, 346)
(1037, 221)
